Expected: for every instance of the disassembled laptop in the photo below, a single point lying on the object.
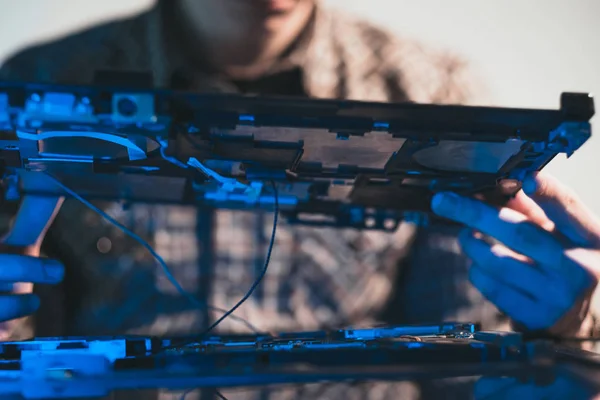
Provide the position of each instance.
(325, 163)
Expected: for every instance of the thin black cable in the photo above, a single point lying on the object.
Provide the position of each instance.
(220, 395)
(263, 272)
(217, 393)
(252, 288)
(159, 259)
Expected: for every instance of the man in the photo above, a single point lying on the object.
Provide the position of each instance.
(318, 278)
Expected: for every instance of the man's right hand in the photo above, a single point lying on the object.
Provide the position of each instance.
(20, 265)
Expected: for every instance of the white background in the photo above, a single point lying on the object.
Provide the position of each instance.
(528, 51)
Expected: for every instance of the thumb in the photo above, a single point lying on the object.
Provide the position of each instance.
(33, 219)
(570, 216)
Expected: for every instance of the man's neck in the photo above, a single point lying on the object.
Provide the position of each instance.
(242, 50)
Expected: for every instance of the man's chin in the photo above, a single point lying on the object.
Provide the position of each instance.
(274, 22)
(268, 8)
(276, 6)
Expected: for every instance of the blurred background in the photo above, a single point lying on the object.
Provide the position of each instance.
(527, 51)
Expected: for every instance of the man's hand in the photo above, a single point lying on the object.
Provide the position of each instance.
(562, 387)
(20, 265)
(543, 264)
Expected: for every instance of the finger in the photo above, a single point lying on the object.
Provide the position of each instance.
(32, 220)
(6, 287)
(529, 208)
(16, 287)
(17, 306)
(519, 307)
(499, 388)
(564, 208)
(488, 388)
(502, 251)
(507, 226)
(521, 275)
(18, 268)
(511, 388)
(588, 273)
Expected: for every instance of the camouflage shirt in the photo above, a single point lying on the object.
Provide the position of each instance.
(317, 278)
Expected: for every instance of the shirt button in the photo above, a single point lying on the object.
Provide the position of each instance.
(104, 245)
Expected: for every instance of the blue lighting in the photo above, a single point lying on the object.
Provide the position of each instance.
(248, 118)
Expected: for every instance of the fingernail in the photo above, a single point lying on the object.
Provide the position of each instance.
(445, 203)
(54, 270)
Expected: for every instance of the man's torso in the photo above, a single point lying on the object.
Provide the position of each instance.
(317, 277)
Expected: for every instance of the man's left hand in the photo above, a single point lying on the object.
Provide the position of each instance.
(543, 264)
